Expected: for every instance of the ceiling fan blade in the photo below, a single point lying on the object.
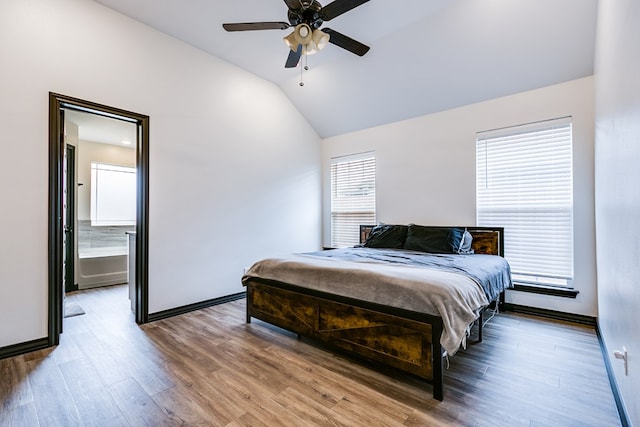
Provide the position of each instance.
(338, 7)
(293, 58)
(346, 42)
(293, 4)
(250, 26)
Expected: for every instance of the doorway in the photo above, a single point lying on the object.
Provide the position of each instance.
(59, 224)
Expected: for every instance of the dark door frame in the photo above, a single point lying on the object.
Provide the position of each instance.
(57, 104)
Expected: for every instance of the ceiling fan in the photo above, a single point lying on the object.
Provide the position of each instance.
(306, 16)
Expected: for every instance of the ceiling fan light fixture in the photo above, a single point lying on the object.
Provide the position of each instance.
(312, 41)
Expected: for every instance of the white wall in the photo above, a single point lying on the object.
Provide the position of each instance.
(618, 189)
(234, 168)
(425, 171)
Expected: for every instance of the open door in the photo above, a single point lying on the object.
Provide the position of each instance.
(69, 216)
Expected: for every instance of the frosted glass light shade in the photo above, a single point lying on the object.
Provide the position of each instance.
(291, 41)
(318, 41)
(320, 38)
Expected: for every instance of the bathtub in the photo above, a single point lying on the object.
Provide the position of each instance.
(102, 267)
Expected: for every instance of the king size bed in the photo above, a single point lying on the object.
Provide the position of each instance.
(405, 297)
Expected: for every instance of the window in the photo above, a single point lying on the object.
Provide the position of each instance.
(353, 197)
(113, 194)
(524, 183)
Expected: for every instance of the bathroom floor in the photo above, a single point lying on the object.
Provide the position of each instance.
(108, 304)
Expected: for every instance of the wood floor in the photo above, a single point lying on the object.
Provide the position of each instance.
(210, 368)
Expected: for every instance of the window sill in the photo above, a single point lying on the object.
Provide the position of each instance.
(546, 290)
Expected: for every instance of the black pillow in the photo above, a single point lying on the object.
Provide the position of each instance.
(386, 236)
(437, 240)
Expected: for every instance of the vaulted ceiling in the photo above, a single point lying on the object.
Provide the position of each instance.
(426, 55)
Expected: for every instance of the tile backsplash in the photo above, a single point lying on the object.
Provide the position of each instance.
(102, 236)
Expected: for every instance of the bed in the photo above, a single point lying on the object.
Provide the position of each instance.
(404, 298)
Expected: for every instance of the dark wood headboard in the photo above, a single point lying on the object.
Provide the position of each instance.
(486, 240)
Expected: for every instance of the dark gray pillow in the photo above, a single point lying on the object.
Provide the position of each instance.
(436, 240)
(386, 236)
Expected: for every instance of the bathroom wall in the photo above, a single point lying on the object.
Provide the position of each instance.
(99, 236)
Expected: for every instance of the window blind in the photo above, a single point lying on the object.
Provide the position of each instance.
(524, 181)
(353, 197)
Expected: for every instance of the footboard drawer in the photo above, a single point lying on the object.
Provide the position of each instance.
(394, 341)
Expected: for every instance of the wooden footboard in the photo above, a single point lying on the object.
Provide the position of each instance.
(398, 338)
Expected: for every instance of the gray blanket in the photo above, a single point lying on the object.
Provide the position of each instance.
(491, 272)
(450, 294)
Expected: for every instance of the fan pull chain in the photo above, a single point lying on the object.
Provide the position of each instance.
(306, 65)
(301, 82)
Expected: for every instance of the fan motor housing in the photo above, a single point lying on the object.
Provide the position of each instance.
(309, 16)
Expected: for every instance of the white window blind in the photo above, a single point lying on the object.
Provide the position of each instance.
(353, 197)
(524, 183)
